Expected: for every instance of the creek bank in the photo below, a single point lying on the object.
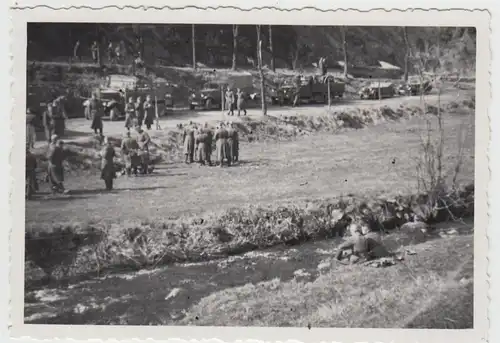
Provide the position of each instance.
(71, 250)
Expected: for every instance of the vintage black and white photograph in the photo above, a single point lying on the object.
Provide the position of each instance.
(250, 175)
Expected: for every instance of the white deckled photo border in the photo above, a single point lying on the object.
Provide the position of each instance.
(229, 15)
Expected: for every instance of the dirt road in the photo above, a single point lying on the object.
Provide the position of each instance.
(79, 129)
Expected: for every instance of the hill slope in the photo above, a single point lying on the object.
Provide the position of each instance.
(293, 46)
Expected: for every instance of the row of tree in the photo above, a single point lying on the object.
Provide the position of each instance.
(284, 46)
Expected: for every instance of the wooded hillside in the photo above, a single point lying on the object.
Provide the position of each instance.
(450, 49)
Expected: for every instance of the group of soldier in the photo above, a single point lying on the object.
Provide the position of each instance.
(198, 144)
(232, 99)
(137, 113)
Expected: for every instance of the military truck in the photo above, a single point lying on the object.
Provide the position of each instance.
(117, 88)
(210, 96)
(312, 90)
(377, 90)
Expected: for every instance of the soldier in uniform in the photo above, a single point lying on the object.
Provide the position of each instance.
(130, 117)
(236, 143)
(201, 149)
(296, 95)
(129, 149)
(230, 101)
(58, 116)
(188, 139)
(143, 139)
(241, 102)
(231, 141)
(96, 113)
(30, 129)
(108, 173)
(149, 112)
(48, 124)
(31, 165)
(208, 144)
(56, 157)
(139, 111)
(223, 150)
(363, 247)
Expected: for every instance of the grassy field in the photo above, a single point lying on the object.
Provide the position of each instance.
(374, 161)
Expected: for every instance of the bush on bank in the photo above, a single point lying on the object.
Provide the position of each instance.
(80, 249)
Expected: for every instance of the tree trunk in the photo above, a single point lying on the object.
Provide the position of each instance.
(344, 48)
(271, 49)
(235, 45)
(295, 60)
(261, 73)
(193, 42)
(407, 53)
(438, 48)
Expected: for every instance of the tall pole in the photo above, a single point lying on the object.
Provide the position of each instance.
(271, 49)
(193, 42)
(261, 73)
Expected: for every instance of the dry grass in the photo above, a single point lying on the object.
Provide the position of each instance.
(408, 294)
(374, 161)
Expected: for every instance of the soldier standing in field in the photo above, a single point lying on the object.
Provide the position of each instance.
(130, 118)
(139, 111)
(241, 102)
(208, 143)
(201, 149)
(30, 129)
(47, 122)
(95, 52)
(58, 116)
(149, 112)
(31, 181)
(188, 139)
(108, 173)
(143, 139)
(56, 157)
(76, 52)
(223, 149)
(96, 112)
(230, 101)
(231, 141)
(296, 96)
(129, 149)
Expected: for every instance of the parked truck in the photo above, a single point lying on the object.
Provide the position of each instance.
(312, 90)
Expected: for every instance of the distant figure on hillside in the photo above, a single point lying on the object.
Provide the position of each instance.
(118, 54)
(76, 52)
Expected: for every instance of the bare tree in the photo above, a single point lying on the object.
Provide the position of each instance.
(344, 48)
(407, 53)
(261, 72)
(193, 42)
(271, 49)
(235, 45)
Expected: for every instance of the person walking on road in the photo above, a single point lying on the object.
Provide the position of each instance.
(130, 118)
(241, 102)
(230, 101)
(96, 113)
(149, 112)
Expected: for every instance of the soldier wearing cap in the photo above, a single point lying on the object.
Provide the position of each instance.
(129, 149)
(30, 129)
(56, 157)
(130, 118)
(143, 139)
(108, 173)
(189, 143)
